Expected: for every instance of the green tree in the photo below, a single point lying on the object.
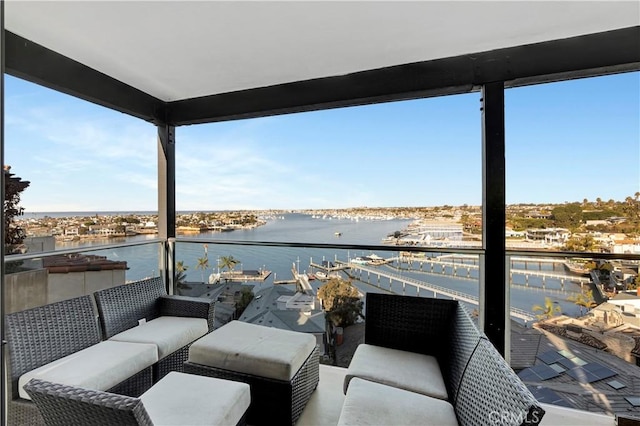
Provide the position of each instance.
(341, 302)
(203, 264)
(549, 310)
(246, 296)
(14, 235)
(131, 219)
(568, 216)
(599, 202)
(634, 284)
(580, 243)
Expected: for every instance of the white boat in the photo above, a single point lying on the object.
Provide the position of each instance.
(321, 275)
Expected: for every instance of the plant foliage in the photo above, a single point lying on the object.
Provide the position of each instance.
(341, 302)
(14, 235)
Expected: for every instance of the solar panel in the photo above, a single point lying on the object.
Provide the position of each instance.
(559, 368)
(548, 396)
(633, 400)
(550, 357)
(591, 372)
(616, 384)
(567, 363)
(538, 373)
(599, 370)
(565, 353)
(526, 375)
(569, 360)
(578, 361)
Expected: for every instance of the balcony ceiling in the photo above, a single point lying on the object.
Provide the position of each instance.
(168, 53)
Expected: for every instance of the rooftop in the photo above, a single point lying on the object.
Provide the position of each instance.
(535, 348)
(65, 263)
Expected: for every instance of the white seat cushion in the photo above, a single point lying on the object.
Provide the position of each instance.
(98, 367)
(186, 399)
(168, 333)
(254, 349)
(370, 403)
(405, 370)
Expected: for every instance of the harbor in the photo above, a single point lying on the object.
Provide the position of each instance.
(532, 279)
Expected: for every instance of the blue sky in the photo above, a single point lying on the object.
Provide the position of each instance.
(565, 142)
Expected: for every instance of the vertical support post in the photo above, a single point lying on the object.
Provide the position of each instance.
(493, 213)
(167, 202)
(3, 381)
(481, 292)
(507, 310)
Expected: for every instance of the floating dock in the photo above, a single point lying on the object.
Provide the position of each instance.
(252, 275)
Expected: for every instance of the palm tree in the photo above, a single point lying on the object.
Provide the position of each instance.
(181, 270)
(549, 310)
(203, 264)
(583, 300)
(228, 262)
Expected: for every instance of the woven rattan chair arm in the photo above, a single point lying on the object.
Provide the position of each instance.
(184, 306)
(61, 404)
(490, 388)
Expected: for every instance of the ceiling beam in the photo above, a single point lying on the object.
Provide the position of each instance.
(37, 64)
(583, 56)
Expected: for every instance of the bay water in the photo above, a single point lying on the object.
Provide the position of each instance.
(142, 260)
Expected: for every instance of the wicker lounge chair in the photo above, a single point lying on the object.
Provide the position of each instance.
(177, 399)
(39, 336)
(438, 369)
(120, 309)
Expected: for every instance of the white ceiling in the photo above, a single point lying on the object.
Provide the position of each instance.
(179, 50)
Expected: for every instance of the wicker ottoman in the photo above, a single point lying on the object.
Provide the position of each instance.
(280, 366)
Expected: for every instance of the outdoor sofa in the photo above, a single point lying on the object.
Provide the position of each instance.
(142, 312)
(423, 361)
(62, 342)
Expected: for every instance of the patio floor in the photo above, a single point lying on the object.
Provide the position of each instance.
(326, 402)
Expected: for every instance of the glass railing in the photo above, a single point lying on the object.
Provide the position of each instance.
(38, 278)
(556, 308)
(566, 309)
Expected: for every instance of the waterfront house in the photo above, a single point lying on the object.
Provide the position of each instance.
(556, 236)
(175, 64)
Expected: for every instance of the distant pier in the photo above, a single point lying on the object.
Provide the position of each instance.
(463, 265)
(432, 288)
(249, 275)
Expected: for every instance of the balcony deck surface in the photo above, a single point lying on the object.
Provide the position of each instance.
(326, 402)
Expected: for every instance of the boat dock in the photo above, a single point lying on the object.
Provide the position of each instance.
(432, 288)
(249, 275)
(456, 267)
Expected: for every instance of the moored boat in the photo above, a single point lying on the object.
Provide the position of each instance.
(321, 275)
